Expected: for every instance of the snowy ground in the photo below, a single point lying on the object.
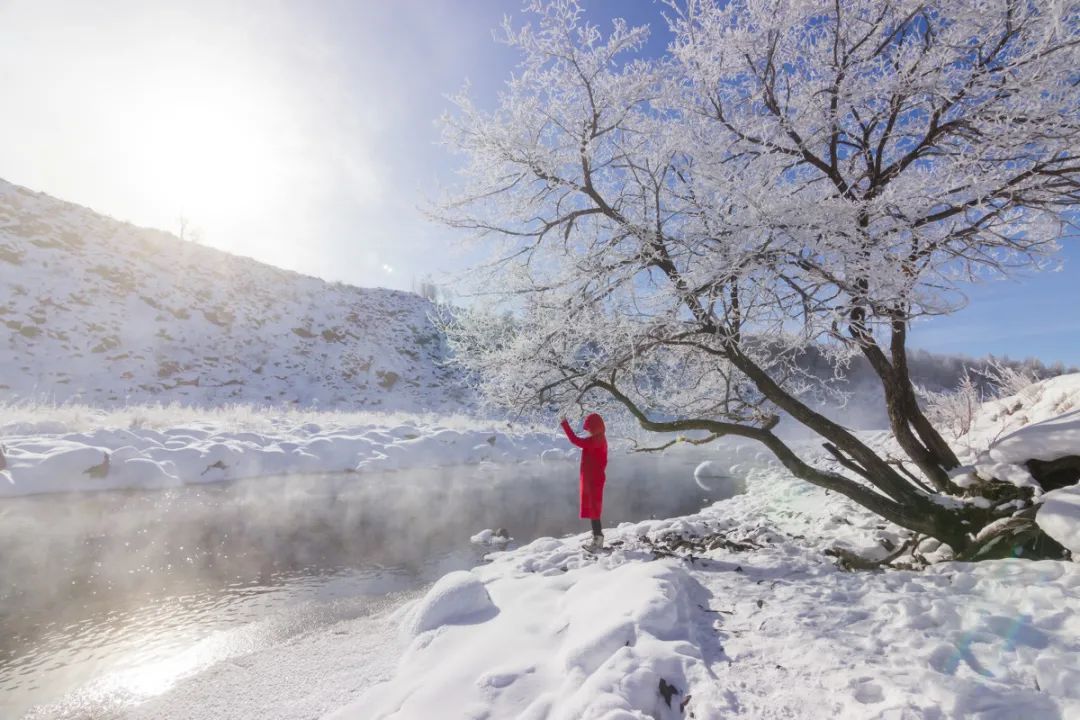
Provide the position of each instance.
(740, 611)
(763, 626)
(735, 611)
(76, 449)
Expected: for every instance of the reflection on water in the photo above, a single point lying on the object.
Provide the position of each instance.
(114, 596)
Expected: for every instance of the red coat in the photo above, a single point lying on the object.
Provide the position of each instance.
(593, 464)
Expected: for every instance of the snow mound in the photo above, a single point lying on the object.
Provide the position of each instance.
(1048, 439)
(491, 538)
(456, 597)
(590, 642)
(1040, 401)
(1041, 422)
(596, 643)
(1059, 517)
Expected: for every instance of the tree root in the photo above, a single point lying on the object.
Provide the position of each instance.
(852, 561)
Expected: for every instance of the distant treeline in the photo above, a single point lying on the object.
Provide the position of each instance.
(936, 372)
(932, 372)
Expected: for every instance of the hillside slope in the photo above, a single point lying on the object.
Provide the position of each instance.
(103, 312)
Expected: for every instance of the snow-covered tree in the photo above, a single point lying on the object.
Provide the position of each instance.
(671, 233)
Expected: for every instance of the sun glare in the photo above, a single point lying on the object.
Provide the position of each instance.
(242, 125)
(207, 148)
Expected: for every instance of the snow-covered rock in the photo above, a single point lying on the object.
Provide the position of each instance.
(1042, 439)
(589, 643)
(491, 538)
(456, 597)
(1047, 439)
(1041, 423)
(1059, 517)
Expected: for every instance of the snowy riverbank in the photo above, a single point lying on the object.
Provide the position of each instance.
(761, 625)
(80, 450)
(737, 610)
(742, 610)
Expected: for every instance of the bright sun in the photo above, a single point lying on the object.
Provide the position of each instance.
(243, 125)
(207, 147)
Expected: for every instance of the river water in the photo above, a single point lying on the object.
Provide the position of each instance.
(268, 598)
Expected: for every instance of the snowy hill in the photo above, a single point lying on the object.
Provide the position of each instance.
(107, 313)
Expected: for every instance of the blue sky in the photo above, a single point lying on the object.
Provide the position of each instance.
(303, 134)
(1037, 316)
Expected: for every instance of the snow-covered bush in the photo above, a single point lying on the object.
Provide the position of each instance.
(954, 410)
(1011, 379)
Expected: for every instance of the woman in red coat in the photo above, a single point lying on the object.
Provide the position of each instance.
(593, 464)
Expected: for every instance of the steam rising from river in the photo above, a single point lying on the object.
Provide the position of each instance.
(82, 570)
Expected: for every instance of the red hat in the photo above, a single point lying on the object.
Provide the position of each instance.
(594, 424)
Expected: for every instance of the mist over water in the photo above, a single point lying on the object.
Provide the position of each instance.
(97, 586)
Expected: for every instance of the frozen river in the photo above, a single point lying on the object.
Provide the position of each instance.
(264, 598)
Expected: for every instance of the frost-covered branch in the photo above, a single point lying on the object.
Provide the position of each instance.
(671, 233)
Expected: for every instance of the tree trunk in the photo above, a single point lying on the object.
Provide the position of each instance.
(921, 515)
(877, 470)
(931, 438)
(919, 439)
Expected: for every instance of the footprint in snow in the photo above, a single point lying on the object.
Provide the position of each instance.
(867, 692)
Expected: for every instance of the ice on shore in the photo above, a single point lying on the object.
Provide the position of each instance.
(147, 458)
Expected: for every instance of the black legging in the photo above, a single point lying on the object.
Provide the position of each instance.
(596, 528)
